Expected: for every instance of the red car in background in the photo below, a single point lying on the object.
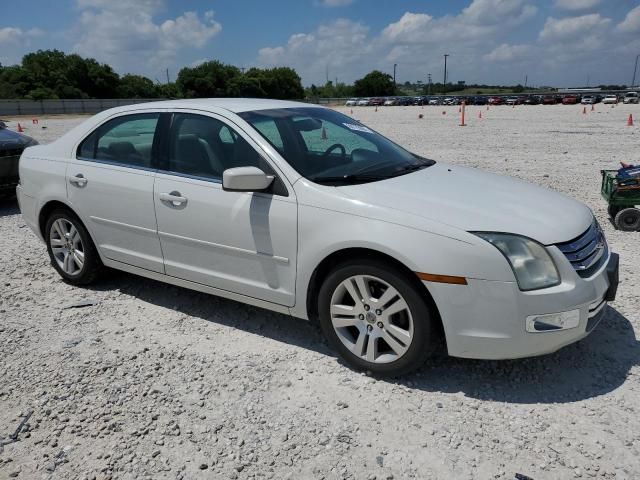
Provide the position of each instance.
(570, 100)
(496, 101)
(549, 100)
(376, 102)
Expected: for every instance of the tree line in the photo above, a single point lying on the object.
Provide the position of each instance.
(52, 74)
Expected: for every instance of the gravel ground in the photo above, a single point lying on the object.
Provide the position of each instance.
(154, 381)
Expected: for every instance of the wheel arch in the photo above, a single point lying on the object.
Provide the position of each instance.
(338, 257)
(52, 205)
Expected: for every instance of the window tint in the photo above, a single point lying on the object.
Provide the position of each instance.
(127, 140)
(269, 130)
(205, 147)
(317, 141)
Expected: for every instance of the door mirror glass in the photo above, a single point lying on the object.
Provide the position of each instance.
(246, 179)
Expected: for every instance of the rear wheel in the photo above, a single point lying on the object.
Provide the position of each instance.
(628, 220)
(376, 318)
(72, 252)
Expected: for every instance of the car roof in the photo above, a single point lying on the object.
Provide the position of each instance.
(235, 105)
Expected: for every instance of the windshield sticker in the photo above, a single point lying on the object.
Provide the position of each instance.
(358, 128)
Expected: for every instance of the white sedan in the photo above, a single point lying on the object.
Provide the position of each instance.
(305, 211)
(610, 99)
(352, 102)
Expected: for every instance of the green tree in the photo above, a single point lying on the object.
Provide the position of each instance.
(136, 86)
(374, 84)
(209, 79)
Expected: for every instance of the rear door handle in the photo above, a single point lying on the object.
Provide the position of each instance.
(78, 180)
(174, 198)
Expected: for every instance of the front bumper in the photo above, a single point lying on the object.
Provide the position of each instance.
(487, 319)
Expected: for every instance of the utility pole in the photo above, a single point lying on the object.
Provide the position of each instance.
(444, 83)
(327, 72)
(394, 77)
(526, 80)
(168, 76)
(635, 67)
(429, 84)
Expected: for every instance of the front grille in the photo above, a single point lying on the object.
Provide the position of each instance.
(587, 252)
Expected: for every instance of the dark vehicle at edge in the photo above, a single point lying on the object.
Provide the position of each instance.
(11, 146)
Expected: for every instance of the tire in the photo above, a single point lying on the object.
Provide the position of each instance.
(628, 220)
(67, 248)
(388, 345)
(613, 210)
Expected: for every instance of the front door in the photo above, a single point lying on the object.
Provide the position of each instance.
(235, 241)
(110, 185)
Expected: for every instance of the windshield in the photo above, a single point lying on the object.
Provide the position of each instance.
(330, 148)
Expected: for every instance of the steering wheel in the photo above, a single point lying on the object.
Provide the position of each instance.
(334, 147)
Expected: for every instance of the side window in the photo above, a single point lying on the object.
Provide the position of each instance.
(318, 140)
(205, 147)
(126, 140)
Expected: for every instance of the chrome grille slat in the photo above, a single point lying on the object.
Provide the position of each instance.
(585, 252)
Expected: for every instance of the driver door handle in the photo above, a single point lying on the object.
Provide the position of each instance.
(174, 198)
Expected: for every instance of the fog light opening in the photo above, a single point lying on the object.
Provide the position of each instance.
(553, 322)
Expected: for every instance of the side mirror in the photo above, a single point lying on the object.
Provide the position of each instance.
(245, 179)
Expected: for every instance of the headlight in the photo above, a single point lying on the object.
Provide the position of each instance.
(530, 262)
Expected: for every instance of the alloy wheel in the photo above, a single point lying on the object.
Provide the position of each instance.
(66, 246)
(371, 319)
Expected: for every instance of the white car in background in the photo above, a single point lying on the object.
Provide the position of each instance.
(610, 99)
(304, 211)
(364, 102)
(631, 97)
(352, 102)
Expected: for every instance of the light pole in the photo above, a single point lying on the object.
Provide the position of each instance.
(429, 87)
(635, 67)
(394, 77)
(444, 83)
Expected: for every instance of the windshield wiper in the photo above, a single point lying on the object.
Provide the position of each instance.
(349, 179)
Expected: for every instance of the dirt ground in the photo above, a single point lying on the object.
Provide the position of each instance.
(153, 381)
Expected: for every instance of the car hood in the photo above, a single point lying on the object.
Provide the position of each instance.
(473, 200)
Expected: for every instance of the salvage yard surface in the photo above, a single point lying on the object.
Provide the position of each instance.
(132, 378)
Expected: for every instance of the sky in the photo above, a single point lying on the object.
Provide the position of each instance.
(548, 42)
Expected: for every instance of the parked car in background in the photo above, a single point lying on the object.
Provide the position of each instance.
(219, 195)
(363, 102)
(532, 100)
(549, 100)
(480, 100)
(588, 100)
(404, 101)
(376, 102)
(570, 100)
(610, 99)
(512, 100)
(352, 102)
(496, 101)
(434, 101)
(390, 102)
(631, 97)
(12, 145)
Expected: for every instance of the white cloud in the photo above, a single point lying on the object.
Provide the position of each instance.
(631, 23)
(576, 4)
(336, 3)
(574, 28)
(15, 41)
(126, 35)
(508, 53)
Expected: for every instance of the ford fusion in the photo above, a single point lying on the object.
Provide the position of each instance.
(305, 211)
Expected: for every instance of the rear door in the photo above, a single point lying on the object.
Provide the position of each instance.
(110, 185)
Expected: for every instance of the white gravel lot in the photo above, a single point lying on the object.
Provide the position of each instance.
(155, 381)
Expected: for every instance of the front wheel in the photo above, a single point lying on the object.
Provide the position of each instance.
(376, 318)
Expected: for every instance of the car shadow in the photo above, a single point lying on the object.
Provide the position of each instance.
(8, 206)
(594, 366)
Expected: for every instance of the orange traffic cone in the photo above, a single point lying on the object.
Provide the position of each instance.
(593, 107)
(352, 111)
(584, 110)
(480, 114)
(20, 129)
(34, 121)
(629, 121)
